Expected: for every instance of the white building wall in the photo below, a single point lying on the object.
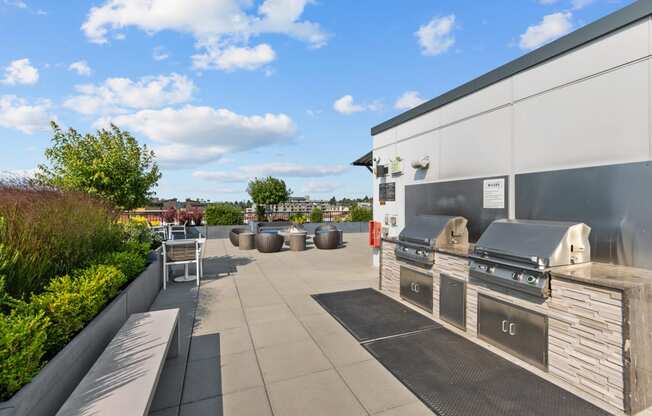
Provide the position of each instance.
(590, 106)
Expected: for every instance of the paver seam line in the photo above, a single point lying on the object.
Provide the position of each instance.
(185, 372)
(318, 346)
(251, 338)
(218, 395)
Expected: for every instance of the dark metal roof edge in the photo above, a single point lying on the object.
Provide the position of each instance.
(365, 160)
(608, 24)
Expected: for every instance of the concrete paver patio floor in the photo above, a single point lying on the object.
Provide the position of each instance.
(260, 345)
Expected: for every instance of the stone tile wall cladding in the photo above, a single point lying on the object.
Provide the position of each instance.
(585, 330)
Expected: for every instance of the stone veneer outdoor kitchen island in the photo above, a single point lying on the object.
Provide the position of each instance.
(599, 334)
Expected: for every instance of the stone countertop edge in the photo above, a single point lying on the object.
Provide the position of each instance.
(605, 275)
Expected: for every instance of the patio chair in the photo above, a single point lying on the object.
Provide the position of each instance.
(160, 231)
(177, 232)
(234, 235)
(269, 242)
(183, 252)
(327, 237)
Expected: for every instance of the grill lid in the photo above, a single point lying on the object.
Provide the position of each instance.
(430, 230)
(542, 243)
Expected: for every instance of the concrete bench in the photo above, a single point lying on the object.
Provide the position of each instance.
(124, 378)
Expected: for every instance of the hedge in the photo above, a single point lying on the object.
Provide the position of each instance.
(223, 214)
(22, 347)
(360, 214)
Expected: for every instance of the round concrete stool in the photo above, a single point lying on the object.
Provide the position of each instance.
(246, 241)
(298, 241)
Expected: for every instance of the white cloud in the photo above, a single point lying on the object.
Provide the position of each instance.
(436, 37)
(194, 134)
(20, 71)
(346, 105)
(81, 67)
(408, 100)
(283, 170)
(551, 27)
(575, 4)
(114, 95)
(320, 187)
(216, 25)
(232, 58)
(159, 54)
(17, 113)
(580, 4)
(16, 3)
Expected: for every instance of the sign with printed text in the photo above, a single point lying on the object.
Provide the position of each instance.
(494, 193)
(396, 166)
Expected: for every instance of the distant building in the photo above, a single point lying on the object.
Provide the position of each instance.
(303, 205)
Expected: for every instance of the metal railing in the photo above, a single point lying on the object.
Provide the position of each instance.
(157, 215)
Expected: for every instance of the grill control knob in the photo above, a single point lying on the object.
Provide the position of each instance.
(491, 269)
(532, 279)
(517, 276)
(482, 267)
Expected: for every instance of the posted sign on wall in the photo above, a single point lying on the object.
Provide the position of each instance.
(494, 193)
(386, 192)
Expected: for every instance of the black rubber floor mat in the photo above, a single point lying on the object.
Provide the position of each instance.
(455, 377)
(368, 314)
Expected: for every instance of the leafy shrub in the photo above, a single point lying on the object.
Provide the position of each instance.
(70, 301)
(131, 263)
(137, 231)
(185, 218)
(46, 233)
(223, 214)
(298, 219)
(360, 214)
(170, 215)
(22, 347)
(197, 215)
(317, 215)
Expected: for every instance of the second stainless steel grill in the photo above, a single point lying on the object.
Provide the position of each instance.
(424, 233)
(518, 254)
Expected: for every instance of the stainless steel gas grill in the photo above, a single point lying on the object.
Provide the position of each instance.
(424, 233)
(518, 254)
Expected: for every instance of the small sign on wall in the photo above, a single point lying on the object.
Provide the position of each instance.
(494, 193)
(386, 192)
(396, 166)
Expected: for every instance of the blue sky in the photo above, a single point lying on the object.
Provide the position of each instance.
(224, 90)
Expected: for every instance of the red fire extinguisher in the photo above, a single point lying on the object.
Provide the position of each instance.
(374, 233)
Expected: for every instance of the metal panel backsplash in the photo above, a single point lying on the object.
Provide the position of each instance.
(457, 198)
(615, 201)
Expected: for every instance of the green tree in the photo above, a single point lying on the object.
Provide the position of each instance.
(360, 214)
(267, 191)
(333, 201)
(316, 215)
(110, 164)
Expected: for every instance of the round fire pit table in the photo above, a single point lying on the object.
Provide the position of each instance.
(298, 241)
(246, 241)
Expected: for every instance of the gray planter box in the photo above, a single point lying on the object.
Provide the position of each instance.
(45, 394)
